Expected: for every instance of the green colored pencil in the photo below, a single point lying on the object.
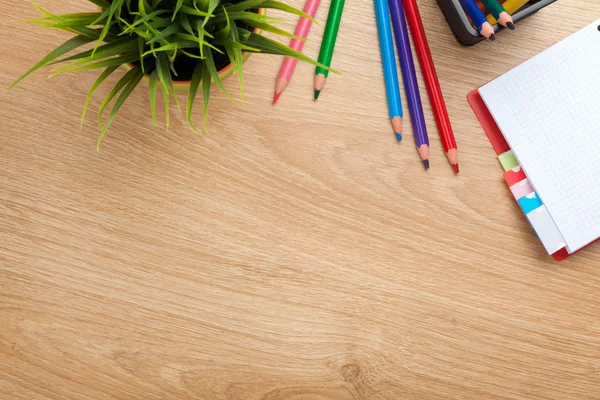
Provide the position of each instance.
(328, 44)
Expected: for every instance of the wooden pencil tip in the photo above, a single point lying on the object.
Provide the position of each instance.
(511, 26)
(397, 125)
(456, 169)
(317, 93)
(276, 97)
(487, 30)
(426, 164)
(492, 37)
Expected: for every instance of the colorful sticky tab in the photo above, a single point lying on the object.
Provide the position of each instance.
(543, 224)
(508, 160)
(521, 189)
(530, 202)
(514, 175)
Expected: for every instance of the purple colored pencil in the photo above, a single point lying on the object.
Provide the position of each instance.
(411, 84)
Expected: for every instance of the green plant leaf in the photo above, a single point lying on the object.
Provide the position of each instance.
(141, 44)
(200, 28)
(94, 33)
(171, 47)
(114, 7)
(177, 7)
(227, 28)
(230, 55)
(164, 33)
(64, 48)
(69, 24)
(232, 60)
(271, 28)
(206, 83)
(245, 5)
(277, 5)
(100, 3)
(212, 5)
(106, 50)
(100, 79)
(142, 7)
(116, 89)
(137, 22)
(164, 74)
(81, 15)
(124, 59)
(88, 53)
(271, 46)
(194, 84)
(133, 82)
(194, 11)
(184, 21)
(245, 15)
(231, 43)
(156, 23)
(239, 59)
(191, 55)
(47, 13)
(210, 66)
(152, 94)
(190, 38)
(143, 32)
(100, 17)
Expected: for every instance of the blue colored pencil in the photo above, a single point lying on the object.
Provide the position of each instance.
(478, 18)
(411, 84)
(388, 59)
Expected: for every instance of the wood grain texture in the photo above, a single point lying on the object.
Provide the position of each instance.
(294, 253)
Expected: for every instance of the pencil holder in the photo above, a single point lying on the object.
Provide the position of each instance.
(466, 33)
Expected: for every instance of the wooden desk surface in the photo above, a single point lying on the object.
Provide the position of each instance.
(296, 252)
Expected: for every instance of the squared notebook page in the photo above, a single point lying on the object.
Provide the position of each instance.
(548, 109)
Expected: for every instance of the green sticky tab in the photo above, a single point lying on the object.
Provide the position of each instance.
(508, 160)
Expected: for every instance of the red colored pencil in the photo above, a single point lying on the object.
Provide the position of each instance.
(431, 81)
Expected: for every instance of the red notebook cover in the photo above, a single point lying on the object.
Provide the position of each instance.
(498, 142)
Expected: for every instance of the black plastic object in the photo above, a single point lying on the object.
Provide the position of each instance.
(466, 33)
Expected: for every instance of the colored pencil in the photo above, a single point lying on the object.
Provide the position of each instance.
(289, 64)
(478, 17)
(411, 84)
(511, 7)
(496, 9)
(328, 44)
(431, 81)
(388, 59)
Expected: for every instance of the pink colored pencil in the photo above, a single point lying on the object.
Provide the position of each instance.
(289, 64)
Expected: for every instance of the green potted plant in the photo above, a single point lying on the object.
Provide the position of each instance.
(174, 44)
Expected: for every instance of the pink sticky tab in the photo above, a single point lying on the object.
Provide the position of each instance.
(521, 189)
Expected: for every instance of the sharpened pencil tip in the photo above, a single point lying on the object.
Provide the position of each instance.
(510, 26)
(426, 164)
(317, 93)
(276, 97)
(399, 137)
(493, 37)
(456, 170)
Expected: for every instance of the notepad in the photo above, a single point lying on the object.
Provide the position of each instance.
(548, 110)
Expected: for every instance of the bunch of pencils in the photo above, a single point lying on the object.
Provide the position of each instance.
(497, 13)
(401, 11)
(399, 21)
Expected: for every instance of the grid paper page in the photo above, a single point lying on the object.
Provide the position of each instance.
(548, 109)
